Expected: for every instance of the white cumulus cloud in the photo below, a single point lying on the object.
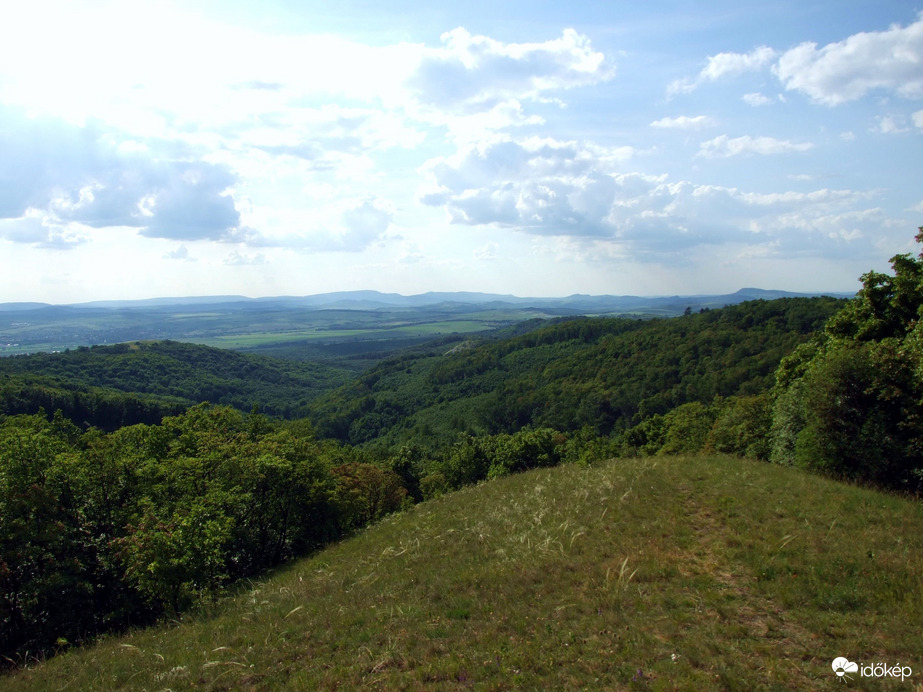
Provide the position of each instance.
(41, 230)
(237, 259)
(86, 176)
(889, 125)
(725, 65)
(756, 99)
(890, 60)
(541, 185)
(180, 253)
(478, 72)
(575, 192)
(487, 251)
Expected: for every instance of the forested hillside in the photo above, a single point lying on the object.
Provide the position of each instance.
(102, 529)
(605, 374)
(140, 382)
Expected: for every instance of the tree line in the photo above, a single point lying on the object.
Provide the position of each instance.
(850, 401)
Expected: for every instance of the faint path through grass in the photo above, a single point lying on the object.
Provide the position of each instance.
(674, 573)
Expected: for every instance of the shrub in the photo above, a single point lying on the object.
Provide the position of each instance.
(742, 427)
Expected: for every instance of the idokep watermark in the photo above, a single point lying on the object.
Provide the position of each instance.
(843, 666)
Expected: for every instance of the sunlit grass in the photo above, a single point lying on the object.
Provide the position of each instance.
(680, 573)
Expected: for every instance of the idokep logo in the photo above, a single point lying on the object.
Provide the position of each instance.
(842, 666)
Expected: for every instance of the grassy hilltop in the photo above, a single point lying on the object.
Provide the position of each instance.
(657, 573)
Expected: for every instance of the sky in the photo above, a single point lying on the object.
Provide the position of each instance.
(294, 147)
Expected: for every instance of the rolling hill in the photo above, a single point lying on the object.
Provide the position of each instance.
(565, 373)
(601, 373)
(678, 573)
(165, 375)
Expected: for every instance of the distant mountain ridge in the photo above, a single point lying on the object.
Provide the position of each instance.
(370, 320)
(368, 299)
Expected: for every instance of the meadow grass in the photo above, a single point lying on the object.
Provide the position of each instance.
(256, 339)
(648, 574)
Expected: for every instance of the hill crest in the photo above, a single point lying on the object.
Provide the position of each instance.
(635, 574)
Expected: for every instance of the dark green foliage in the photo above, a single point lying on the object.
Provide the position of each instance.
(605, 374)
(849, 403)
(686, 428)
(886, 306)
(433, 485)
(108, 409)
(742, 427)
(466, 462)
(406, 465)
(365, 493)
(524, 450)
(471, 459)
(140, 382)
(176, 561)
(52, 576)
(100, 531)
(857, 407)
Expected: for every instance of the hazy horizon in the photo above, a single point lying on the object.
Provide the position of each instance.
(353, 294)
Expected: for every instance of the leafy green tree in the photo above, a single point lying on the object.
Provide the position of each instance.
(859, 411)
(433, 485)
(176, 562)
(283, 504)
(467, 461)
(850, 403)
(407, 465)
(529, 448)
(687, 428)
(742, 427)
(365, 493)
(646, 438)
(46, 556)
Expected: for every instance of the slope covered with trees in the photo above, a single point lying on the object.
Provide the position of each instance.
(139, 382)
(102, 407)
(603, 374)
